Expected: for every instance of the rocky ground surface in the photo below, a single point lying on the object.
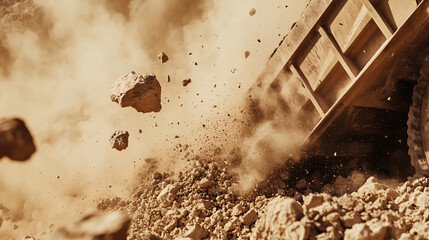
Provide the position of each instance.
(203, 203)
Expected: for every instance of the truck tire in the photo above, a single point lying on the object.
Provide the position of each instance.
(418, 122)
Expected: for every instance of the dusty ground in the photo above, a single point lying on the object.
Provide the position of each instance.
(203, 202)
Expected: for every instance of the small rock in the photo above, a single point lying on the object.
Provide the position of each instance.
(205, 183)
(142, 92)
(246, 54)
(16, 141)
(361, 231)
(298, 231)
(196, 232)
(252, 12)
(238, 209)
(371, 187)
(279, 214)
(151, 236)
(186, 82)
(163, 57)
(315, 200)
(29, 238)
(250, 217)
(119, 140)
(330, 234)
(350, 219)
(167, 195)
(231, 224)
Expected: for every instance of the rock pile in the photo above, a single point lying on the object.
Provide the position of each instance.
(201, 203)
(119, 140)
(375, 211)
(142, 92)
(196, 204)
(16, 141)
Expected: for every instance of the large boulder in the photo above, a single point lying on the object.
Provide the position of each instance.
(142, 92)
(16, 141)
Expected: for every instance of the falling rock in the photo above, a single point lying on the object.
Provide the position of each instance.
(119, 140)
(186, 82)
(163, 57)
(246, 54)
(16, 141)
(252, 12)
(112, 225)
(142, 92)
(195, 232)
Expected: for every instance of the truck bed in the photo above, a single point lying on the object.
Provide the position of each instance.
(342, 53)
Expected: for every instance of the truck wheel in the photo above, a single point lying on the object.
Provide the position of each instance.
(418, 122)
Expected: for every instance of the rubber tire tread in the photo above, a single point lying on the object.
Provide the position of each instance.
(414, 141)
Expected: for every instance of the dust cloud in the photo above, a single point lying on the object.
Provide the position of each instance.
(58, 61)
(278, 131)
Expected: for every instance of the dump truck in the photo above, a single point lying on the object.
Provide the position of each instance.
(358, 71)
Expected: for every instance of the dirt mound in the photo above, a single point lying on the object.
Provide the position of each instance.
(142, 92)
(16, 141)
(201, 203)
